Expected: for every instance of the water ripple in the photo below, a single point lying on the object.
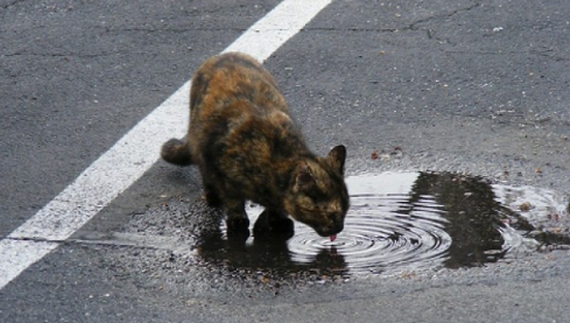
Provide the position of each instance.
(397, 222)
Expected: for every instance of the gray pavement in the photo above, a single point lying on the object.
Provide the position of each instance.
(466, 86)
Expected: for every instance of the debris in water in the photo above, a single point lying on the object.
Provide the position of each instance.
(525, 207)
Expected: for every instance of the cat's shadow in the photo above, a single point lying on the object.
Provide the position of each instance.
(266, 254)
(271, 255)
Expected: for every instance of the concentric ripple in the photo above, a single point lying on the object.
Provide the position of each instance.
(380, 232)
(397, 222)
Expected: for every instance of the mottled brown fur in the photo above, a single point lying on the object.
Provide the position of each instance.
(247, 148)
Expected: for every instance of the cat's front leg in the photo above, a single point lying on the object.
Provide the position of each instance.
(273, 224)
(237, 220)
(211, 195)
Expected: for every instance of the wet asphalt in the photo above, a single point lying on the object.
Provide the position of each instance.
(476, 87)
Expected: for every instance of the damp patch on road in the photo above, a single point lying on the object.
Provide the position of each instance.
(397, 223)
(407, 222)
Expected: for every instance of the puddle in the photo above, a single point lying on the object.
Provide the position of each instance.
(401, 222)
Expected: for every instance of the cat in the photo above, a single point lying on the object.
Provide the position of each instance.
(247, 147)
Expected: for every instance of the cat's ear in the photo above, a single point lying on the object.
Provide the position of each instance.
(336, 157)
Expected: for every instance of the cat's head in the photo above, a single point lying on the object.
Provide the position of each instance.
(318, 196)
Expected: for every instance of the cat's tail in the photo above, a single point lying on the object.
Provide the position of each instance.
(176, 152)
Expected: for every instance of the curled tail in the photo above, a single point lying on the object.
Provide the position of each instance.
(176, 152)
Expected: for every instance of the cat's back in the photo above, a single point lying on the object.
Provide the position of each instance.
(234, 102)
(231, 79)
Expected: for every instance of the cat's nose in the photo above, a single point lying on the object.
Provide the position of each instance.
(330, 230)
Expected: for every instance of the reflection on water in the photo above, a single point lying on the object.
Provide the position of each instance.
(473, 217)
(397, 221)
(270, 255)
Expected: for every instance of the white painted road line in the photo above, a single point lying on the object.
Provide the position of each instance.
(109, 175)
(17, 255)
(136, 152)
(278, 26)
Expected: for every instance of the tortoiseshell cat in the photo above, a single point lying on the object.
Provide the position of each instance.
(247, 148)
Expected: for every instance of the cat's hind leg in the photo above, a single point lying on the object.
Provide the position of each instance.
(210, 183)
(212, 196)
(237, 220)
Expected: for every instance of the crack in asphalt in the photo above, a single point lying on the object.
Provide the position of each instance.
(351, 29)
(413, 26)
(430, 33)
(548, 53)
(117, 239)
(176, 30)
(11, 4)
(64, 55)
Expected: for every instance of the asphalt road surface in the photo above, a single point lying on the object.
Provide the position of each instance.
(476, 87)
